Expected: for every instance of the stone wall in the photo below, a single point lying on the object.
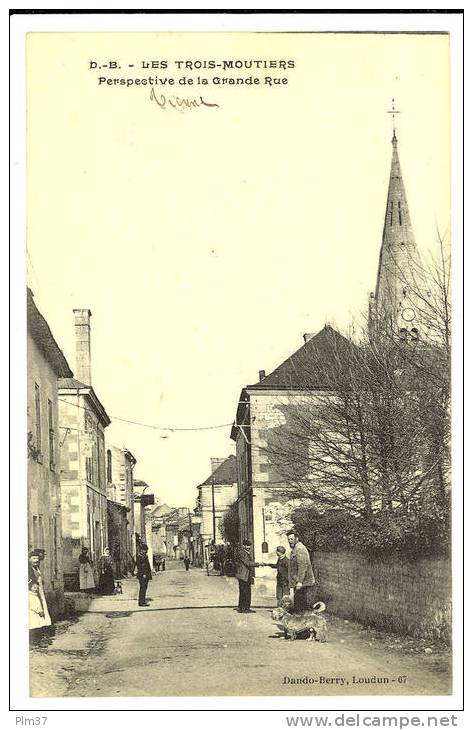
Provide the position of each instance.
(44, 496)
(412, 598)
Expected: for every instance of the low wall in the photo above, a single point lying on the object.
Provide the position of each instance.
(55, 602)
(409, 598)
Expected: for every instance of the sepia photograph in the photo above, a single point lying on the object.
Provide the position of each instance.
(239, 337)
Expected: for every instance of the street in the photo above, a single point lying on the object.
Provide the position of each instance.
(191, 642)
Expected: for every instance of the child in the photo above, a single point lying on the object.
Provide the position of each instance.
(282, 576)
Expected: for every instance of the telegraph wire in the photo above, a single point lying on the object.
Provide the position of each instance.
(150, 425)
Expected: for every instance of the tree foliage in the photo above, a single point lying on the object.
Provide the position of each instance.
(230, 525)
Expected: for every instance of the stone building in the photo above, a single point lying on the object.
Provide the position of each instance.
(83, 420)
(118, 537)
(264, 511)
(120, 463)
(215, 495)
(262, 409)
(46, 363)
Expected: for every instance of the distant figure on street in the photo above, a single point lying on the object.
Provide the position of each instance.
(187, 562)
(35, 577)
(143, 573)
(159, 561)
(282, 575)
(244, 573)
(106, 577)
(86, 573)
(301, 575)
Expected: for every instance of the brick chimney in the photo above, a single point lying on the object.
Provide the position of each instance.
(82, 329)
(215, 463)
(262, 375)
(308, 336)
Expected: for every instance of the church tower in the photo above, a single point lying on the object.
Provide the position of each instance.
(395, 307)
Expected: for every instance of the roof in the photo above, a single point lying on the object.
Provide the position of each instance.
(226, 473)
(76, 385)
(160, 509)
(121, 450)
(312, 367)
(118, 506)
(39, 330)
(72, 384)
(140, 483)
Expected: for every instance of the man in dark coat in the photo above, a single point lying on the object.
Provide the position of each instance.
(245, 573)
(301, 575)
(143, 573)
(282, 575)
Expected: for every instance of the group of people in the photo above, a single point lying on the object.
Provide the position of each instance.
(38, 617)
(106, 577)
(159, 562)
(293, 572)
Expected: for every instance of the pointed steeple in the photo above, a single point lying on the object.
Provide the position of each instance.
(399, 270)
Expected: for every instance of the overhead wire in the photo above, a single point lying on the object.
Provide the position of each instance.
(150, 425)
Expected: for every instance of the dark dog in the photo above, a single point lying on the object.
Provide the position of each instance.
(296, 623)
(118, 587)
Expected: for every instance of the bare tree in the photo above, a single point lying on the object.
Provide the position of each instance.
(371, 435)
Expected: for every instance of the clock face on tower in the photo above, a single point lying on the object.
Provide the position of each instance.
(408, 314)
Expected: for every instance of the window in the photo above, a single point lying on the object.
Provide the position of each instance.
(51, 435)
(37, 403)
(403, 334)
(34, 536)
(38, 531)
(99, 461)
(399, 212)
(415, 333)
(109, 466)
(391, 213)
(88, 469)
(54, 531)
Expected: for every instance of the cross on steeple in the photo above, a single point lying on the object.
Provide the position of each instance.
(393, 111)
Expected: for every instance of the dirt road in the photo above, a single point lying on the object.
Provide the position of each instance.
(191, 642)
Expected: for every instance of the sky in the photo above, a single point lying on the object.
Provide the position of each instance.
(207, 241)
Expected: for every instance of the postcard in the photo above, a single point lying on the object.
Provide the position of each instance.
(239, 330)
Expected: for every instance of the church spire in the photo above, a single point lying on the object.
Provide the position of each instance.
(399, 267)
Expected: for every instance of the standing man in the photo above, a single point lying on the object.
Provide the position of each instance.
(301, 575)
(143, 573)
(245, 574)
(282, 575)
(187, 562)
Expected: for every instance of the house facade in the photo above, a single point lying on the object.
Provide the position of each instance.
(265, 407)
(118, 537)
(215, 495)
(120, 463)
(46, 363)
(83, 420)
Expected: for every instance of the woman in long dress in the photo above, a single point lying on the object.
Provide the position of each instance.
(106, 579)
(86, 572)
(36, 593)
(37, 615)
